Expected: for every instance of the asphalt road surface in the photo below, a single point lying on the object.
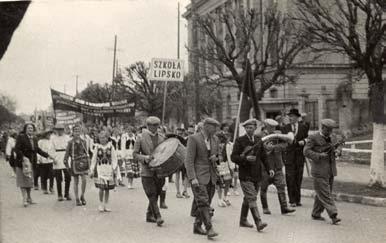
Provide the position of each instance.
(52, 221)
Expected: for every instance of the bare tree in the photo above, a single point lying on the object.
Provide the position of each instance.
(356, 28)
(232, 49)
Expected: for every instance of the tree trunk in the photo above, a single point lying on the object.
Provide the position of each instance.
(377, 154)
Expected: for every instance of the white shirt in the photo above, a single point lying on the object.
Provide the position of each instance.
(295, 128)
(10, 145)
(59, 144)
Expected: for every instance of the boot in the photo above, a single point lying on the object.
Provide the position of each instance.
(256, 217)
(150, 218)
(162, 203)
(208, 224)
(243, 217)
(197, 229)
(264, 202)
(283, 204)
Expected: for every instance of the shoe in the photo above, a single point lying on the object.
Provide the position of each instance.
(261, 225)
(45, 192)
(25, 203)
(29, 201)
(78, 203)
(335, 220)
(150, 219)
(221, 203)
(197, 229)
(211, 233)
(178, 195)
(122, 184)
(60, 198)
(36, 188)
(320, 218)
(162, 200)
(130, 187)
(67, 197)
(185, 194)
(299, 204)
(266, 211)
(293, 205)
(52, 191)
(106, 209)
(159, 221)
(101, 208)
(287, 210)
(82, 200)
(227, 202)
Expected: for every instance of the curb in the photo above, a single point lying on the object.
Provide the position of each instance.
(343, 197)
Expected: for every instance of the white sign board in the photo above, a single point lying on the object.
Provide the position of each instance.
(166, 70)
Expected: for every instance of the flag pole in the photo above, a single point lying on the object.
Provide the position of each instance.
(240, 102)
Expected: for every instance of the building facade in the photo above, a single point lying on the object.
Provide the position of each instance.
(325, 88)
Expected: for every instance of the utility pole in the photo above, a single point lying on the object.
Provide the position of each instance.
(77, 92)
(114, 62)
(195, 60)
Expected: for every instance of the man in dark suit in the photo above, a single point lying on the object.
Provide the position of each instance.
(201, 157)
(152, 185)
(249, 154)
(321, 151)
(294, 158)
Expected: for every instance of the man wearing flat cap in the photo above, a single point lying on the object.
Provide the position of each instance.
(274, 148)
(294, 158)
(152, 185)
(248, 153)
(321, 151)
(201, 157)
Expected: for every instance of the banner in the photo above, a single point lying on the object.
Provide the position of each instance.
(67, 117)
(166, 70)
(61, 101)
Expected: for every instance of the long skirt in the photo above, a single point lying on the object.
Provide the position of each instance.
(22, 180)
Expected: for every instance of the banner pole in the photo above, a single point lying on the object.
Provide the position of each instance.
(164, 103)
(238, 118)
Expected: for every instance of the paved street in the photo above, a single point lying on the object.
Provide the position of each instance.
(52, 221)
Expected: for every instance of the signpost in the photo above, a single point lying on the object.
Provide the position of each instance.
(162, 69)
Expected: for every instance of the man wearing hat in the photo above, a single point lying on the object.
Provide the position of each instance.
(152, 185)
(321, 151)
(274, 149)
(294, 158)
(248, 153)
(59, 142)
(201, 157)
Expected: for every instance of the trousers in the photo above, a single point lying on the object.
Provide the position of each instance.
(59, 178)
(153, 188)
(323, 198)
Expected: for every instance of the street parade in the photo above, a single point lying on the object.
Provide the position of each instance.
(244, 137)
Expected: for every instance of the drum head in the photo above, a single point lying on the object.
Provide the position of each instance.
(164, 151)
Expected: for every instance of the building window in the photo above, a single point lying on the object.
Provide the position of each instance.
(273, 93)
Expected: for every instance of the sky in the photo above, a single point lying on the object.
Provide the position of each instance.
(59, 39)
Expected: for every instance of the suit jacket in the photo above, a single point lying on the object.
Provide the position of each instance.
(319, 167)
(250, 171)
(294, 152)
(197, 162)
(144, 146)
(23, 147)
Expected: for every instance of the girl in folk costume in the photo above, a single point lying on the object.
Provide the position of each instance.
(104, 167)
(224, 171)
(131, 166)
(80, 164)
(115, 140)
(45, 164)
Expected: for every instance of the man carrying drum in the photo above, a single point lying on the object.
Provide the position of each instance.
(201, 157)
(152, 185)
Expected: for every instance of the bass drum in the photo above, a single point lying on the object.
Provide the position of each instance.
(169, 156)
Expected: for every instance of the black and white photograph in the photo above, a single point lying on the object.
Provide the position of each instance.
(168, 121)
